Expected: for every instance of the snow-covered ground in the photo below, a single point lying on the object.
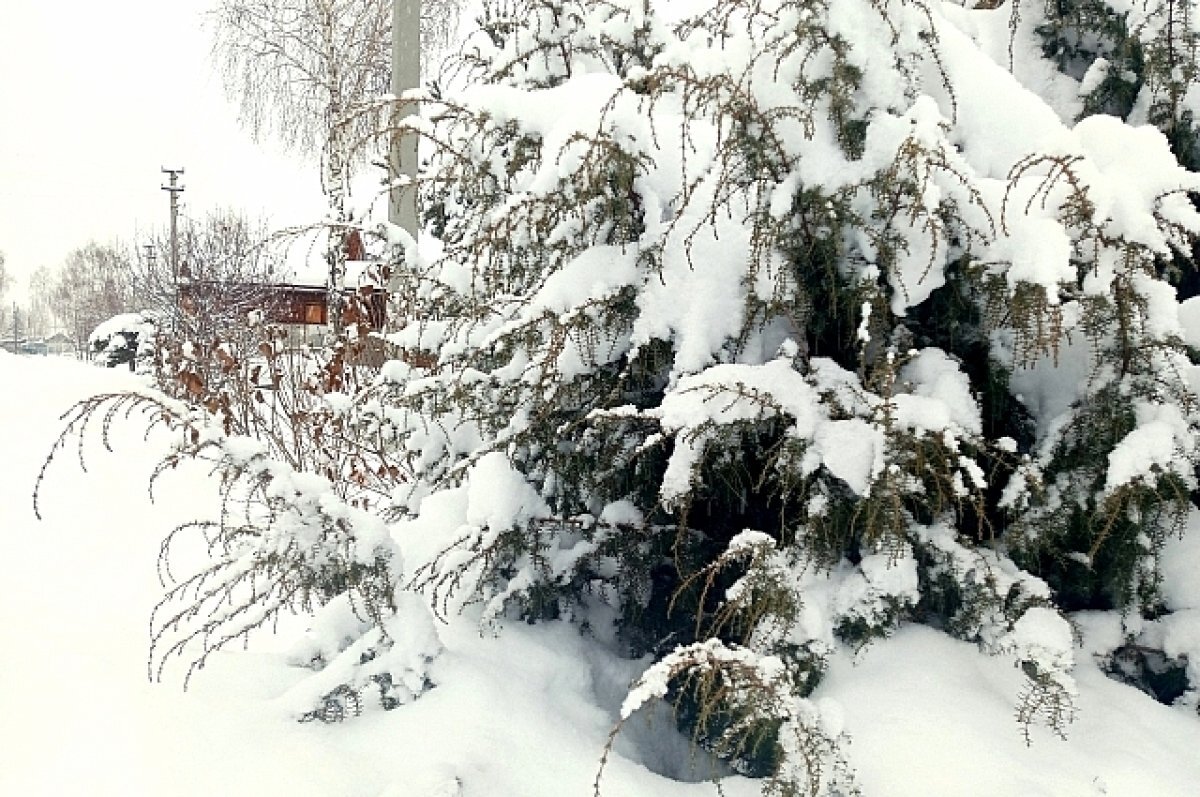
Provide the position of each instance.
(521, 713)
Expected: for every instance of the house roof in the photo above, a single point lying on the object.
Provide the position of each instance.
(311, 270)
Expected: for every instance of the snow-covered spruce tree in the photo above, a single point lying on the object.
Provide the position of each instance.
(762, 344)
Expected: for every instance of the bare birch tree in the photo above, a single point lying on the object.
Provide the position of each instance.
(313, 72)
(92, 286)
(41, 303)
(5, 279)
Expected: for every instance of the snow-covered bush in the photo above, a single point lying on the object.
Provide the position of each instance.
(297, 530)
(1137, 61)
(123, 340)
(302, 475)
(285, 541)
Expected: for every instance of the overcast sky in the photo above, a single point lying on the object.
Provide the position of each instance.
(95, 97)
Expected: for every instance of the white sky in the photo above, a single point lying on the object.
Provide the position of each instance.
(95, 97)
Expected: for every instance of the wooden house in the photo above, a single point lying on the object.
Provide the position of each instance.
(300, 305)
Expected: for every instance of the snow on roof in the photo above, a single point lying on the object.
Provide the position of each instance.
(314, 272)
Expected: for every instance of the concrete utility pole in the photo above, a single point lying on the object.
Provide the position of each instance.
(402, 160)
(174, 189)
(406, 74)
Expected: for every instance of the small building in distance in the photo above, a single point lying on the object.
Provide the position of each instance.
(60, 344)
